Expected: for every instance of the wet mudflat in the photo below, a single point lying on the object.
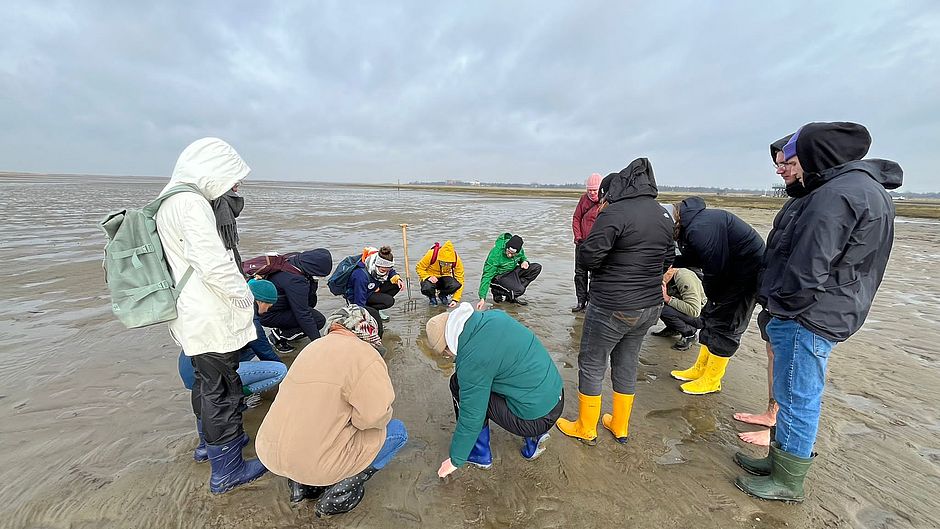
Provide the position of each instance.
(96, 429)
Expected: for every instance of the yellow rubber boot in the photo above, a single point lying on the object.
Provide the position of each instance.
(710, 382)
(697, 369)
(585, 427)
(619, 422)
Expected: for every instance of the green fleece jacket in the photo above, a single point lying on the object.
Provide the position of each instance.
(497, 263)
(497, 354)
(686, 293)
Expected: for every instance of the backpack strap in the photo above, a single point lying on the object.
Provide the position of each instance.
(435, 249)
(179, 286)
(151, 209)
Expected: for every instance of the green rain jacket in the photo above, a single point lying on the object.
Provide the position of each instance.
(497, 354)
(497, 263)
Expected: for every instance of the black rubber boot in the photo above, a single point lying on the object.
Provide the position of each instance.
(300, 492)
(345, 495)
(579, 307)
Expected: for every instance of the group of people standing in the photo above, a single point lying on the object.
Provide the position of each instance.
(698, 269)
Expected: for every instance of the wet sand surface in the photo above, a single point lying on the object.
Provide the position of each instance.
(96, 429)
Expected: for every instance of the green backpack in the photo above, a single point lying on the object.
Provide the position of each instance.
(136, 270)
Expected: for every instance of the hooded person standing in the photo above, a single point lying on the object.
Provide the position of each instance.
(821, 278)
(214, 307)
(795, 190)
(441, 274)
(581, 222)
(502, 373)
(729, 252)
(507, 271)
(293, 314)
(330, 428)
(627, 252)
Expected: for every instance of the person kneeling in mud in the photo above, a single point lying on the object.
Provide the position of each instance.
(330, 427)
(502, 373)
(293, 314)
(507, 271)
(441, 275)
(374, 283)
(684, 298)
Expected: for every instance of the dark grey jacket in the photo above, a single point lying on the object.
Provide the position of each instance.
(826, 263)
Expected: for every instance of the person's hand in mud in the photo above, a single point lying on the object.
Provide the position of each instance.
(453, 303)
(446, 468)
(432, 279)
(524, 265)
(480, 304)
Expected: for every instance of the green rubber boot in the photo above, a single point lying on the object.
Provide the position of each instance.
(785, 482)
(759, 466)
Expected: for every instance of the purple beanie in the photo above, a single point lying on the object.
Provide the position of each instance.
(789, 150)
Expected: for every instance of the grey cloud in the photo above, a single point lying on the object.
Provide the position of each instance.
(522, 91)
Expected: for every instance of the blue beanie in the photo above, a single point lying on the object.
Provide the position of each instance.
(263, 290)
(789, 150)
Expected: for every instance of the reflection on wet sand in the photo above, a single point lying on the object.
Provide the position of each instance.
(96, 429)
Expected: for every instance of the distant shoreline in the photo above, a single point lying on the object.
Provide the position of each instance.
(915, 208)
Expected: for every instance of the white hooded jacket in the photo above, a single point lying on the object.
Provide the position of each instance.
(215, 307)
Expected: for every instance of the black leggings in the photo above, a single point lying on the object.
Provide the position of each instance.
(498, 411)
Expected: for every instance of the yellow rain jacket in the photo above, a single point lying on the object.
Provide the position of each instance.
(448, 263)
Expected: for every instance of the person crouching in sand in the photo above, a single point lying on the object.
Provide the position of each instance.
(330, 427)
(502, 373)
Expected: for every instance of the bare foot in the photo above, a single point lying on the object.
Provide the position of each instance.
(764, 419)
(759, 438)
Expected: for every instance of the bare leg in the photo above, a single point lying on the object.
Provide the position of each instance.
(769, 417)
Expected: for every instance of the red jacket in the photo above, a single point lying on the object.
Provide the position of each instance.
(584, 216)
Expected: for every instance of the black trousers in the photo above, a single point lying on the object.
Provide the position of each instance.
(385, 297)
(680, 321)
(726, 316)
(498, 411)
(580, 279)
(216, 395)
(512, 284)
(446, 286)
(285, 321)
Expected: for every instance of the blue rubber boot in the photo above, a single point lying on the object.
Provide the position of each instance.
(200, 454)
(481, 456)
(534, 446)
(229, 470)
(444, 299)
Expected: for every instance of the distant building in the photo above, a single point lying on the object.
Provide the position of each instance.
(779, 190)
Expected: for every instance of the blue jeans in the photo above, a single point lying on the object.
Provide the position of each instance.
(395, 437)
(257, 376)
(800, 360)
(617, 335)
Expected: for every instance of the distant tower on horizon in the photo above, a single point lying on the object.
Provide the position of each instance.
(779, 190)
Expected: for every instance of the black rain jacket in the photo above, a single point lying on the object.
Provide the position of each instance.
(296, 295)
(832, 255)
(631, 245)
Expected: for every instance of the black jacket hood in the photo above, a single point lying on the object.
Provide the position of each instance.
(634, 180)
(777, 146)
(822, 146)
(315, 263)
(689, 208)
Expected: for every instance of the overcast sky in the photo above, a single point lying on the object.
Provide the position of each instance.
(502, 91)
